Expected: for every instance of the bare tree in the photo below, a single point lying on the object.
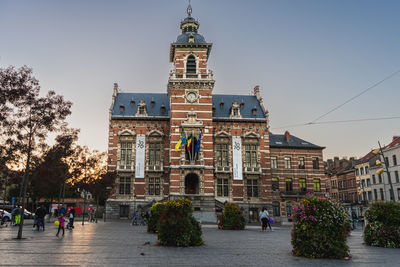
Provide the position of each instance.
(28, 119)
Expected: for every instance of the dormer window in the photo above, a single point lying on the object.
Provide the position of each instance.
(221, 105)
(162, 109)
(191, 39)
(254, 111)
(141, 111)
(191, 64)
(235, 111)
(152, 103)
(121, 108)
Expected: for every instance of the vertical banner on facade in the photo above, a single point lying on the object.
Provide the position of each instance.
(140, 154)
(237, 158)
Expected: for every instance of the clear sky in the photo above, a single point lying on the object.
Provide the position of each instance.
(307, 56)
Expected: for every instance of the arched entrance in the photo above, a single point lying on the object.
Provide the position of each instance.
(191, 184)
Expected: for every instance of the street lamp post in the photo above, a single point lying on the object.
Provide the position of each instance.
(387, 172)
(134, 203)
(84, 207)
(248, 210)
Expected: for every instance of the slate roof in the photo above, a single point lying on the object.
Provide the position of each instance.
(395, 142)
(221, 111)
(370, 157)
(130, 108)
(250, 102)
(184, 38)
(279, 140)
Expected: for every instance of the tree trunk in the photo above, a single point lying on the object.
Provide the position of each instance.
(23, 189)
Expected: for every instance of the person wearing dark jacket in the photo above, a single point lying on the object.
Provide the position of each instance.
(39, 214)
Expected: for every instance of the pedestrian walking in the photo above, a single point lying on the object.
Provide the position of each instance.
(61, 220)
(134, 218)
(142, 222)
(264, 217)
(40, 213)
(92, 215)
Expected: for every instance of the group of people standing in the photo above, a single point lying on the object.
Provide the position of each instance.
(140, 220)
(61, 221)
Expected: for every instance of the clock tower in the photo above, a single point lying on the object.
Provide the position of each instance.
(190, 88)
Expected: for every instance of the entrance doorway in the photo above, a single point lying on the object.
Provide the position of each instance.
(192, 184)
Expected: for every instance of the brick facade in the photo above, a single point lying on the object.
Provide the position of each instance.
(190, 107)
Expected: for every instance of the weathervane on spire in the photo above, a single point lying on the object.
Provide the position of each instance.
(189, 10)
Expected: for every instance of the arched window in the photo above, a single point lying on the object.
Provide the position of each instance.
(191, 64)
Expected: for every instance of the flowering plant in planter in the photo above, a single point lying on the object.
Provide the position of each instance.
(320, 229)
(383, 228)
(177, 226)
(232, 218)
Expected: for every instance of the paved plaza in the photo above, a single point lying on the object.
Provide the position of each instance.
(118, 243)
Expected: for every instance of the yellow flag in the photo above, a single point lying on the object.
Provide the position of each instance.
(178, 145)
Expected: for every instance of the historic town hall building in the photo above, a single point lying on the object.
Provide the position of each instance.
(212, 148)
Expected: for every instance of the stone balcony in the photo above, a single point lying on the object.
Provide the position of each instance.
(201, 75)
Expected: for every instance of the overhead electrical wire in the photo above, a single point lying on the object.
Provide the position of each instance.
(337, 121)
(344, 103)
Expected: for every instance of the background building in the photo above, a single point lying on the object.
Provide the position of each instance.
(380, 182)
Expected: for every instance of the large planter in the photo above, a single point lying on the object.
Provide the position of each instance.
(177, 226)
(320, 229)
(383, 228)
(232, 218)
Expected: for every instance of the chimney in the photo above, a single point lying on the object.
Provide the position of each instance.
(256, 90)
(336, 161)
(287, 136)
(115, 89)
(330, 162)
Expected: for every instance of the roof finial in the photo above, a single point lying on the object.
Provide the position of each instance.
(189, 10)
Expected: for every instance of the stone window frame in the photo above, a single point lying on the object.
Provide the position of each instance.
(317, 185)
(302, 160)
(288, 162)
(197, 60)
(235, 111)
(222, 185)
(251, 138)
(124, 187)
(315, 163)
(289, 184)
(275, 160)
(303, 185)
(275, 184)
(222, 137)
(155, 137)
(126, 136)
(276, 208)
(142, 109)
(154, 183)
(254, 184)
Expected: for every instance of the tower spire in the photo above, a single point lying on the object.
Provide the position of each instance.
(189, 10)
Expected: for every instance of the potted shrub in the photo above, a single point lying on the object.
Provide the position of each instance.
(232, 218)
(320, 229)
(383, 228)
(177, 226)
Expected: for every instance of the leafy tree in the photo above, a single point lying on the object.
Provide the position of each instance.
(28, 118)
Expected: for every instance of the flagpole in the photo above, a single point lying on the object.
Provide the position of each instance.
(191, 146)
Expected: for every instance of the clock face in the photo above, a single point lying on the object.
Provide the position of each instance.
(191, 97)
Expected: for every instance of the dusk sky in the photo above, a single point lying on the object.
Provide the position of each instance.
(306, 56)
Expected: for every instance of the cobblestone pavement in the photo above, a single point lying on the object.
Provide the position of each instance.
(119, 244)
